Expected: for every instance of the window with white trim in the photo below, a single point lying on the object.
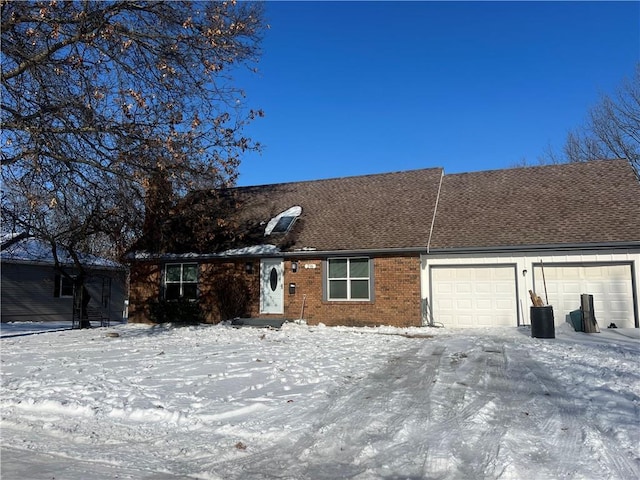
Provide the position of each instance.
(283, 222)
(348, 279)
(181, 281)
(283, 225)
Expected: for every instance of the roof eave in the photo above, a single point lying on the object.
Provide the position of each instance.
(314, 253)
(558, 247)
(49, 263)
(302, 253)
(389, 251)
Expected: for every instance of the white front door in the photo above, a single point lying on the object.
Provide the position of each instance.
(272, 285)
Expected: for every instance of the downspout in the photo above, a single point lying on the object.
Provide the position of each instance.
(427, 313)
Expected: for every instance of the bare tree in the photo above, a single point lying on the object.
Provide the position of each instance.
(100, 96)
(612, 129)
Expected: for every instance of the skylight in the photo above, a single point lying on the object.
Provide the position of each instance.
(282, 222)
(283, 225)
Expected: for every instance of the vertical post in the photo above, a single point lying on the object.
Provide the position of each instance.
(544, 282)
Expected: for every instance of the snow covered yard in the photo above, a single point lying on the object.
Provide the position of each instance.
(308, 402)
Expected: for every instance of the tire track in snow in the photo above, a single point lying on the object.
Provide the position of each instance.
(425, 436)
(557, 414)
(396, 410)
(47, 465)
(553, 406)
(478, 447)
(377, 407)
(468, 418)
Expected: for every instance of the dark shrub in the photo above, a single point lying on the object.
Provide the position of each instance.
(180, 312)
(231, 294)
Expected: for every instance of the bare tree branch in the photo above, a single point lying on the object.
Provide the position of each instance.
(612, 129)
(98, 96)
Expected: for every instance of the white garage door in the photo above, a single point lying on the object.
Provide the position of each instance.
(610, 286)
(474, 296)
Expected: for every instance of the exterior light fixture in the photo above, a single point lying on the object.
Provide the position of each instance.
(294, 266)
(248, 267)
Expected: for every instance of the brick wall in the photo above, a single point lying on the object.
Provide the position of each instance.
(228, 291)
(396, 293)
(222, 280)
(144, 287)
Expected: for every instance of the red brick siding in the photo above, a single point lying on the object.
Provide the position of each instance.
(396, 295)
(144, 287)
(396, 292)
(215, 275)
(146, 284)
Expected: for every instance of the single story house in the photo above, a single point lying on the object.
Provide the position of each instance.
(407, 249)
(33, 290)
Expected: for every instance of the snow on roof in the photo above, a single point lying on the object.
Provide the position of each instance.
(292, 213)
(253, 250)
(32, 250)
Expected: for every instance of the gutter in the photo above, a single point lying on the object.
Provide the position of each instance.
(307, 253)
(311, 253)
(631, 245)
(49, 263)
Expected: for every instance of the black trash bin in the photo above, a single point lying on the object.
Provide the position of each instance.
(542, 325)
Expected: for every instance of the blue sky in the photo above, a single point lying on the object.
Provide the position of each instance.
(354, 88)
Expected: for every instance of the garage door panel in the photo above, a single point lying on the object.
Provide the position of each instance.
(610, 286)
(503, 273)
(464, 304)
(480, 275)
(568, 287)
(484, 304)
(504, 288)
(474, 296)
(448, 304)
(601, 305)
(465, 320)
(503, 304)
(617, 306)
(444, 288)
(446, 318)
(449, 275)
(595, 288)
(618, 287)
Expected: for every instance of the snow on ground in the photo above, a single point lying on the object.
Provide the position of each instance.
(312, 402)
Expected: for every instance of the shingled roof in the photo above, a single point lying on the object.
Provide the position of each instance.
(567, 204)
(574, 203)
(371, 212)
